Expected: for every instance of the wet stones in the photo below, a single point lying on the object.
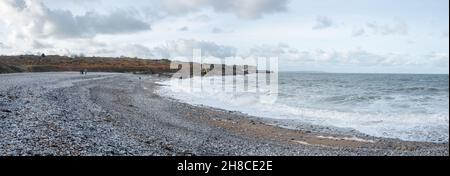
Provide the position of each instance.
(5, 110)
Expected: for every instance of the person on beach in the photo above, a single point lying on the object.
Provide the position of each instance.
(83, 72)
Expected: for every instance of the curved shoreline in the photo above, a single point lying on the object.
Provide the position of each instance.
(377, 121)
(119, 114)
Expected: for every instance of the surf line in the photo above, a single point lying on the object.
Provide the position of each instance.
(188, 166)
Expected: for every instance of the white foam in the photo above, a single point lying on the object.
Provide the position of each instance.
(405, 126)
(347, 139)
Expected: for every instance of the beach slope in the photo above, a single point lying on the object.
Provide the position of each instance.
(119, 114)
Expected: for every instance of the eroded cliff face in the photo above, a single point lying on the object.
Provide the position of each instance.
(54, 63)
(13, 64)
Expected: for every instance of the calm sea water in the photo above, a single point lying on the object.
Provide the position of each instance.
(407, 107)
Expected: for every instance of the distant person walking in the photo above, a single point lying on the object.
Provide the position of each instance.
(83, 72)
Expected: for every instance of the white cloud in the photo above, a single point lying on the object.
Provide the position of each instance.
(89, 2)
(184, 28)
(439, 59)
(268, 51)
(137, 50)
(247, 9)
(353, 57)
(358, 57)
(216, 30)
(444, 34)
(184, 48)
(2, 45)
(201, 18)
(358, 32)
(398, 27)
(41, 45)
(73, 26)
(323, 22)
(34, 20)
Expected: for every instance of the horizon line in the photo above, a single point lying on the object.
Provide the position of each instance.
(280, 70)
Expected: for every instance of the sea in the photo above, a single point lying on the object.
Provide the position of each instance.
(410, 107)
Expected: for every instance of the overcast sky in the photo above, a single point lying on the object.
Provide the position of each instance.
(368, 36)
